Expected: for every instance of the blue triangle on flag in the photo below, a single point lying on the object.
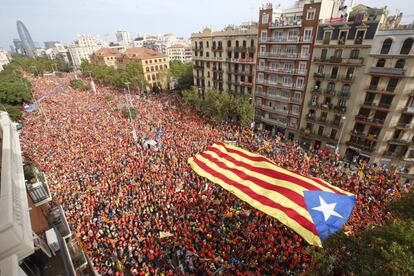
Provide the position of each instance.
(329, 211)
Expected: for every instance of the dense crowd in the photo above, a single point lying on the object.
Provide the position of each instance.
(141, 209)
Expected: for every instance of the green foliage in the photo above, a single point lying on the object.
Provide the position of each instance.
(387, 249)
(156, 89)
(39, 65)
(183, 73)
(127, 112)
(404, 206)
(14, 88)
(133, 74)
(13, 111)
(220, 106)
(78, 84)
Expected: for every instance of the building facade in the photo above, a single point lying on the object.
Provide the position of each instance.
(33, 236)
(83, 48)
(225, 60)
(180, 52)
(382, 131)
(4, 58)
(123, 37)
(284, 59)
(153, 63)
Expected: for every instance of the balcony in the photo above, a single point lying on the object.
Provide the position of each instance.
(316, 90)
(244, 49)
(399, 141)
(282, 71)
(36, 185)
(276, 122)
(218, 48)
(278, 84)
(285, 24)
(340, 60)
(285, 55)
(273, 109)
(330, 92)
(345, 95)
(387, 71)
(319, 75)
(241, 60)
(287, 40)
(313, 105)
(409, 109)
(347, 78)
(57, 218)
(376, 89)
(326, 106)
(374, 121)
(273, 97)
(403, 125)
(362, 144)
(246, 84)
(340, 109)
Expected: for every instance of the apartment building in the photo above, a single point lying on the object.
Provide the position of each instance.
(225, 60)
(180, 52)
(152, 62)
(284, 58)
(34, 237)
(340, 56)
(382, 131)
(83, 48)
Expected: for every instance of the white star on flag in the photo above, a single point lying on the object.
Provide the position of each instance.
(327, 209)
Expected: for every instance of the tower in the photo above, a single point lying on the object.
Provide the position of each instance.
(25, 38)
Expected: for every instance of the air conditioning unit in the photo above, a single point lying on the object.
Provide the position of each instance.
(52, 240)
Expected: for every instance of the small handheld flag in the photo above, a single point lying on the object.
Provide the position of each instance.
(310, 206)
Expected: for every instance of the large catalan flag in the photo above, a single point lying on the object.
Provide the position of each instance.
(310, 206)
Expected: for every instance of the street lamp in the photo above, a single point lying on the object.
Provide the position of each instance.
(92, 83)
(340, 135)
(134, 132)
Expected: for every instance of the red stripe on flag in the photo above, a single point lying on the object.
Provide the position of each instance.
(291, 213)
(288, 193)
(266, 171)
(263, 159)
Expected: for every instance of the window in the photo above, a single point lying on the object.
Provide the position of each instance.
(310, 15)
(400, 63)
(295, 109)
(320, 69)
(300, 82)
(208, 45)
(320, 130)
(346, 89)
(265, 18)
(327, 37)
(338, 53)
(292, 35)
(264, 35)
(305, 51)
(354, 54)
(229, 43)
(406, 48)
(324, 53)
(386, 46)
(381, 62)
(392, 84)
(307, 34)
(359, 37)
(262, 63)
(333, 134)
(302, 68)
(331, 86)
(342, 37)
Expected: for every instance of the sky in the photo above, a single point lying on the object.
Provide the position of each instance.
(63, 20)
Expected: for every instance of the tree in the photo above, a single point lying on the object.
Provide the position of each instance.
(127, 112)
(220, 106)
(387, 249)
(183, 74)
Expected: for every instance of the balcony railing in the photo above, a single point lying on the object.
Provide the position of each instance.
(333, 59)
(286, 24)
(57, 219)
(319, 75)
(370, 120)
(273, 109)
(243, 49)
(284, 71)
(241, 60)
(409, 109)
(330, 92)
(246, 83)
(36, 185)
(274, 121)
(284, 39)
(340, 109)
(387, 71)
(284, 55)
(273, 96)
(279, 84)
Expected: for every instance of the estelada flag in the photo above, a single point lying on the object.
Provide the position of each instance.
(310, 206)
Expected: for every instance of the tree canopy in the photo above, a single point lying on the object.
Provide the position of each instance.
(132, 74)
(220, 106)
(387, 249)
(183, 73)
(40, 65)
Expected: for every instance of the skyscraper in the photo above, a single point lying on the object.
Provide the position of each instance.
(25, 38)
